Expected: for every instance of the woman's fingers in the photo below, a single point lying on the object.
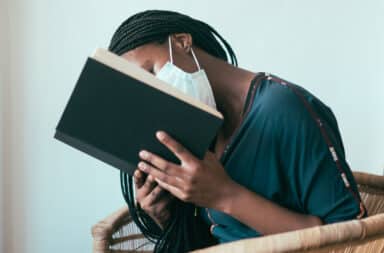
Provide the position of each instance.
(173, 190)
(158, 194)
(160, 163)
(146, 188)
(179, 150)
(161, 175)
(161, 208)
(156, 203)
(138, 177)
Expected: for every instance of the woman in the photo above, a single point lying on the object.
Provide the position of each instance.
(277, 164)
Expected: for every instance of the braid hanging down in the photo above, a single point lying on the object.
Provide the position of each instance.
(184, 231)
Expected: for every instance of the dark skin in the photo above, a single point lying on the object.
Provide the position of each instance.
(196, 180)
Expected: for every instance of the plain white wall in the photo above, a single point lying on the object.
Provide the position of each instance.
(55, 193)
(3, 79)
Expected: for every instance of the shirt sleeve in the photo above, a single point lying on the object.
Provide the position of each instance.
(312, 153)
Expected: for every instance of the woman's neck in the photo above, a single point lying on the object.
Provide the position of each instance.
(230, 85)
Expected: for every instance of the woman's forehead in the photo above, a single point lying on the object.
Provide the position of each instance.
(148, 56)
(148, 52)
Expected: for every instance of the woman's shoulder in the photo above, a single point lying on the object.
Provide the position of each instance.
(277, 98)
(287, 109)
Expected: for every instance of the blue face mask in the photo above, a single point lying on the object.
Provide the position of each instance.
(193, 84)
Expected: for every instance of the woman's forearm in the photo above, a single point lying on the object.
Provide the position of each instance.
(261, 214)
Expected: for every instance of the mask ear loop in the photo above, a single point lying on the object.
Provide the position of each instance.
(170, 49)
(194, 57)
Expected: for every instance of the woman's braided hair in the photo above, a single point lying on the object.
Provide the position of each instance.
(184, 231)
(155, 26)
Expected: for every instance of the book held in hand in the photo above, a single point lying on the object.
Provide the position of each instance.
(116, 108)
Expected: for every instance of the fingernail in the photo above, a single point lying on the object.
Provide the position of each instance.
(143, 154)
(141, 165)
(160, 135)
(137, 174)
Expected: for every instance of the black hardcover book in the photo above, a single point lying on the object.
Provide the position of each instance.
(116, 108)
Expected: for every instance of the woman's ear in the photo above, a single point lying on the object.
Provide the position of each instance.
(182, 42)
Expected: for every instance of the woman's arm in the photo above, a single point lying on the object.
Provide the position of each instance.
(262, 214)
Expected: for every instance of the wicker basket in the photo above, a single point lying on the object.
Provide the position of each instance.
(118, 234)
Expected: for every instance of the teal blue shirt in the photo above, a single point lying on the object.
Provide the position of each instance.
(287, 149)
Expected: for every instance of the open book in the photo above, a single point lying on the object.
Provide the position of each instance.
(116, 108)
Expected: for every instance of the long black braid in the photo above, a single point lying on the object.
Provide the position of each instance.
(184, 231)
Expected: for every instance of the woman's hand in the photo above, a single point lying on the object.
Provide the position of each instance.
(152, 198)
(205, 183)
(202, 182)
